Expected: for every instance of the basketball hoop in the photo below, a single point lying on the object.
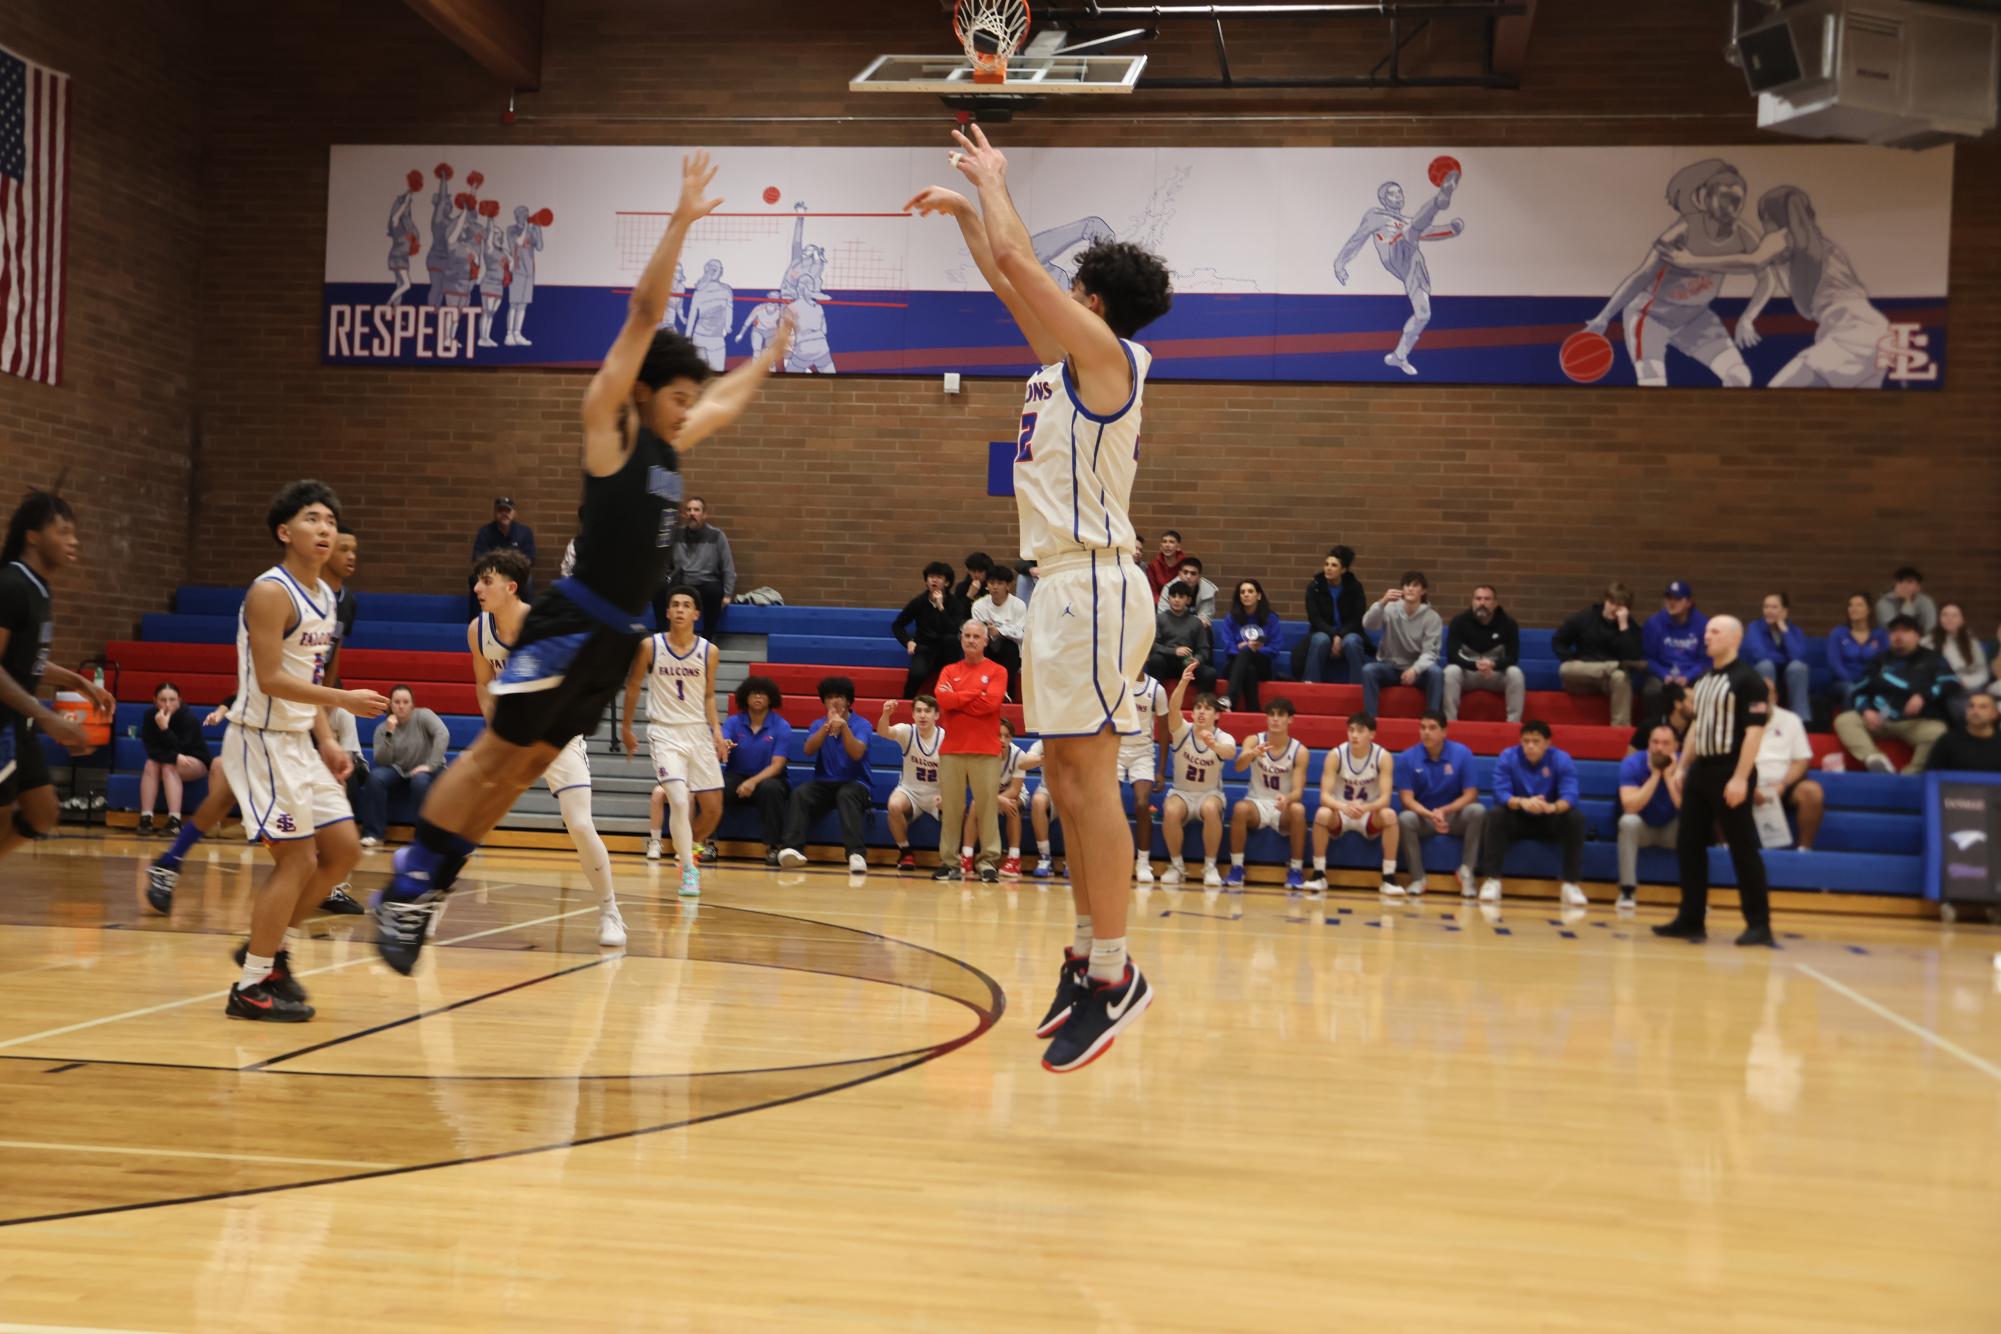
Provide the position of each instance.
(990, 31)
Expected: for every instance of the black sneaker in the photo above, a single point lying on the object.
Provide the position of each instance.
(160, 882)
(945, 871)
(1629, 896)
(262, 1002)
(989, 875)
(401, 925)
(771, 857)
(1104, 1012)
(145, 822)
(340, 903)
(906, 860)
(281, 981)
(1758, 935)
(1692, 932)
(1070, 987)
(173, 825)
(707, 854)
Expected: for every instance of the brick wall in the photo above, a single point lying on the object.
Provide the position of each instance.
(120, 422)
(838, 490)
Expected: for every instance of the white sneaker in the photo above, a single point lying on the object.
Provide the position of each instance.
(1416, 888)
(652, 849)
(1573, 897)
(370, 844)
(1879, 763)
(1044, 868)
(857, 864)
(791, 857)
(1173, 875)
(1466, 889)
(1211, 877)
(1391, 889)
(1143, 871)
(1316, 881)
(611, 927)
(1490, 892)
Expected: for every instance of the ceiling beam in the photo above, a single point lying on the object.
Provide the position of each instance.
(504, 37)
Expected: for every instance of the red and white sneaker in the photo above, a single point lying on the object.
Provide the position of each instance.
(1011, 869)
(966, 871)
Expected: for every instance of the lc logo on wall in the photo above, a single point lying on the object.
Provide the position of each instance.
(1760, 266)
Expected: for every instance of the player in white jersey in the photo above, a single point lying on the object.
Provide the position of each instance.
(1355, 786)
(280, 755)
(683, 733)
(1277, 796)
(1196, 754)
(1138, 755)
(1090, 623)
(497, 580)
(916, 792)
(1016, 761)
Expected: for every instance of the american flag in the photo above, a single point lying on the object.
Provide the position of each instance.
(34, 213)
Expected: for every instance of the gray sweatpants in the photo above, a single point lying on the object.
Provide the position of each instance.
(1634, 834)
(1467, 822)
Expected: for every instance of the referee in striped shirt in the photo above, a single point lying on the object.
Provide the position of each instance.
(1718, 757)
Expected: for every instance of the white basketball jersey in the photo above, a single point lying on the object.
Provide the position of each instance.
(1013, 757)
(920, 762)
(1198, 769)
(677, 689)
(1073, 472)
(1271, 773)
(1149, 703)
(308, 643)
(490, 646)
(1360, 781)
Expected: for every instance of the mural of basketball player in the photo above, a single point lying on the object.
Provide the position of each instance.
(1824, 287)
(763, 318)
(1664, 305)
(403, 235)
(524, 242)
(711, 307)
(1398, 239)
(493, 268)
(1057, 242)
(803, 294)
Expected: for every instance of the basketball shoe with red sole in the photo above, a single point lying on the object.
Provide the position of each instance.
(1107, 1010)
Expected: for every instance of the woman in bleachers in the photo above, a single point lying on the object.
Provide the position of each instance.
(1853, 648)
(1250, 637)
(175, 756)
(1966, 655)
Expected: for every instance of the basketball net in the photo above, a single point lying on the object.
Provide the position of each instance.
(990, 31)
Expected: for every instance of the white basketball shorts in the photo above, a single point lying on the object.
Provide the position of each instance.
(1090, 626)
(685, 753)
(284, 787)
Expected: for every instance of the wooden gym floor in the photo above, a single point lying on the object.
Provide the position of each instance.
(811, 1104)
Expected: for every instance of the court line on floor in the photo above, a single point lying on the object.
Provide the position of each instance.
(1917, 1030)
(189, 1153)
(365, 957)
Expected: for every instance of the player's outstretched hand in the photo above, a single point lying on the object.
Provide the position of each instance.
(697, 175)
(365, 703)
(977, 160)
(1188, 672)
(937, 199)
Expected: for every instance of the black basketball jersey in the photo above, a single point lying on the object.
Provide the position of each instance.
(24, 613)
(626, 538)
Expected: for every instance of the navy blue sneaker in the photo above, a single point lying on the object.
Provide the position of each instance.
(401, 925)
(340, 903)
(160, 882)
(281, 982)
(1071, 984)
(1104, 1012)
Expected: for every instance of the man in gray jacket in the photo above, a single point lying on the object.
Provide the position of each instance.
(409, 751)
(703, 562)
(1179, 635)
(1409, 630)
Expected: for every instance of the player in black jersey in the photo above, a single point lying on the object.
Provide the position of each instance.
(644, 407)
(41, 541)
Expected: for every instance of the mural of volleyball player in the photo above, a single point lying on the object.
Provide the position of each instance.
(403, 235)
(1056, 242)
(493, 267)
(763, 318)
(1664, 305)
(803, 295)
(677, 302)
(1824, 287)
(524, 242)
(711, 307)
(1398, 239)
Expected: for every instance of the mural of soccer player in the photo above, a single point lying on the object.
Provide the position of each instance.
(494, 263)
(763, 318)
(1824, 287)
(524, 241)
(444, 217)
(1398, 239)
(711, 307)
(1663, 305)
(403, 235)
(1057, 242)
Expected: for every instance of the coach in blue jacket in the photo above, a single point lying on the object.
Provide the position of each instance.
(1535, 790)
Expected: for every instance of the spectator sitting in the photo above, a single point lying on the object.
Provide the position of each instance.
(702, 561)
(1599, 650)
(1975, 745)
(1014, 778)
(1902, 696)
(1535, 786)
(978, 565)
(1179, 635)
(1335, 605)
(1006, 619)
(175, 755)
(1784, 756)
(1649, 805)
(501, 532)
(1202, 593)
(1907, 597)
(1408, 651)
(1251, 638)
(410, 748)
(1440, 795)
(1963, 653)
(1672, 641)
(1852, 648)
(1165, 567)
(754, 775)
(928, 628)
(1486, 649)
(838, 744)
(1677, 711)
(1777, 648)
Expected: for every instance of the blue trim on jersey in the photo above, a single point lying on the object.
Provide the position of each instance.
(264, 816)
(344, 819)
(559, 791)
(598, 608)
(286, 575)
(291, 592)
(1070, 386)
(33, 578)
(1095, 686)
(679, 657)
(1076, 510)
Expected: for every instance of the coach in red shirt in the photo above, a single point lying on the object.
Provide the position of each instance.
(969, 702)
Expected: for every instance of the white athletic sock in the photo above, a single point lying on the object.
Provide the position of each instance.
(1320, 863)
(1389, 867)
(575, 805)
(1236, 859)
(1014, 854)
(1292, 865)
(1108, 959)
(1208, 863)
(295, 936)
(1175, 862)
(1042, 848)
(654, 833)
(902, 848)
(1081, 944)
(256, 967)
(966, 851)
